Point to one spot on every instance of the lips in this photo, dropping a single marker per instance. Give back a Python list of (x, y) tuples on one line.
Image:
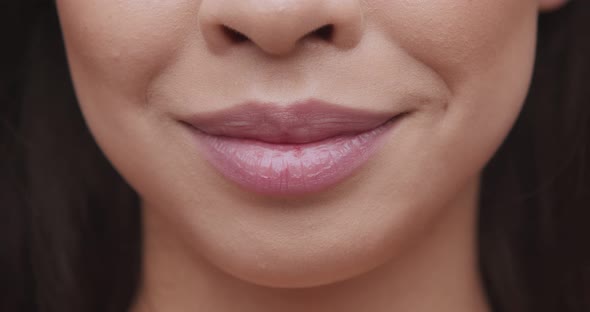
[(302, 122), (301, 148)]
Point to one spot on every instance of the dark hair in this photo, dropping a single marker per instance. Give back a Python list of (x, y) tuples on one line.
[(70, 226)]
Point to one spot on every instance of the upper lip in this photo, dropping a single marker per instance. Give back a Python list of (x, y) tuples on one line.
[(301, 122)]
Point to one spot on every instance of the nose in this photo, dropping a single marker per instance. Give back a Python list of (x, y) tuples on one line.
[(278, 27)]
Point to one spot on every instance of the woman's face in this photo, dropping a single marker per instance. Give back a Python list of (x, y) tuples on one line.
[(458, 69)]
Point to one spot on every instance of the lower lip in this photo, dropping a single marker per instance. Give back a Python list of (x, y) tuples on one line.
[(291, 169)]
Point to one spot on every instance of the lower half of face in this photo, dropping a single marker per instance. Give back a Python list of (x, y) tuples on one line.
[(458, 69)]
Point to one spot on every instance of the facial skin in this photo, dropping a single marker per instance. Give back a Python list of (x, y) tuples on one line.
[(461, 67)]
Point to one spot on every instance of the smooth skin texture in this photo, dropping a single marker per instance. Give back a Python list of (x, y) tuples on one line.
[(397, 236)]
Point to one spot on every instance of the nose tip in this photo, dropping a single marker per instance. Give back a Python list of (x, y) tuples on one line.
[(277, 27)]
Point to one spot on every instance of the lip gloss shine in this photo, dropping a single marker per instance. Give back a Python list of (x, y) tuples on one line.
[(290, 169), (288, 150)]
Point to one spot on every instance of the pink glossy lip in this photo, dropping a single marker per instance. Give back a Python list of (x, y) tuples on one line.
[(289, 150)]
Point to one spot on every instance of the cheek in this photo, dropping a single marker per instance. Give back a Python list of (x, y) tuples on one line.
[(115, 49), (482, 50), (458, 38), (122, 44), (484, 53)]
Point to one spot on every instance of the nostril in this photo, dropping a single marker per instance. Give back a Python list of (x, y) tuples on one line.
[(325, 32), (234, 35)]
